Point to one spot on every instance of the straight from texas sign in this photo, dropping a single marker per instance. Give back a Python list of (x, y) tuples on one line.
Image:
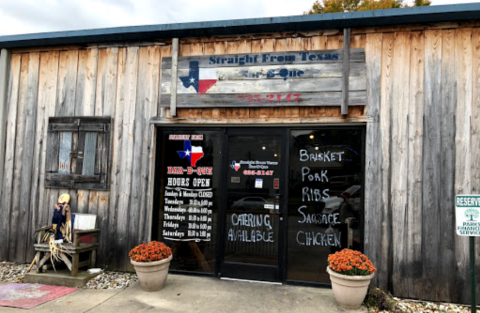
[(467, 213), (298, 78)]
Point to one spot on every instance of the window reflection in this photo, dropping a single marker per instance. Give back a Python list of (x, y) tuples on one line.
[(325, 206), (252, 223)]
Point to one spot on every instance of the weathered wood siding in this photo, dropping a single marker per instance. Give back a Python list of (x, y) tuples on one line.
[(422, 146), (122, 83)]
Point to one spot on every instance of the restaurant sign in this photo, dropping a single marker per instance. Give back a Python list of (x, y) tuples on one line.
[(299, 78)]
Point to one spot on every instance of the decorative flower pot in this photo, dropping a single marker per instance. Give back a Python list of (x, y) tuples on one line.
[(152, 275), (349, 291)]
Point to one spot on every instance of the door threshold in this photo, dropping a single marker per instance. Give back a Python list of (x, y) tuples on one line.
[(251, 281)]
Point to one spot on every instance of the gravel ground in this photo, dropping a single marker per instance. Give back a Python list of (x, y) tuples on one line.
[(13, 272), (111, 280), (414, 306)]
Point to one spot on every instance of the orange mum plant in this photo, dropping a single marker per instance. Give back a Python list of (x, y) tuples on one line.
[(149, 252), (351, 263)]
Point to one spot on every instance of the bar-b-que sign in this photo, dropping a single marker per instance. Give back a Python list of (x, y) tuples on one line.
[(299, 78)]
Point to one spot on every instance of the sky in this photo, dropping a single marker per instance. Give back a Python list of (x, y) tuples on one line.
[(34, 16)]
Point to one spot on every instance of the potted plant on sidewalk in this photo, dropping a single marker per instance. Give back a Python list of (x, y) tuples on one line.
[(151, 262), (350, 272)]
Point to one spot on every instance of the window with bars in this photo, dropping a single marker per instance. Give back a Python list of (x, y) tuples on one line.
[(78, 151)]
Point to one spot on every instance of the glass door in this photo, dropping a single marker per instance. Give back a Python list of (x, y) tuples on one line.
[(254, 205)]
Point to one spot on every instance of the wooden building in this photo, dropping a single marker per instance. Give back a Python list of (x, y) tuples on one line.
[(410, 142)]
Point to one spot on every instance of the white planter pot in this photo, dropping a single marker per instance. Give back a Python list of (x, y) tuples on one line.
[(349, 291), (152, 275)]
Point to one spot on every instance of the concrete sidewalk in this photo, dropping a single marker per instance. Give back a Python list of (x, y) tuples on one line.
[(196, 294)]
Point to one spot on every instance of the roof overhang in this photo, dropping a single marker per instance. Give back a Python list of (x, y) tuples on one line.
[(300, 23)]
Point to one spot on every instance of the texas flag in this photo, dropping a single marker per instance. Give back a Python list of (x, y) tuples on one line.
[(192, 153), (235, 165), (200, 78)]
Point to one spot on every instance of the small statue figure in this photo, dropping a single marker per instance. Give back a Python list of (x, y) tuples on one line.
[(62, 219)]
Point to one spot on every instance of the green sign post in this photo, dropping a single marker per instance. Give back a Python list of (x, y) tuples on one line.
[(467, 213)]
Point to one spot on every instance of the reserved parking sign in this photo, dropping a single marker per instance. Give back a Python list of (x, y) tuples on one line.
[(467, 213)]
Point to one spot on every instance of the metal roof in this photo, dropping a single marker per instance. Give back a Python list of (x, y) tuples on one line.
[(299, 23)]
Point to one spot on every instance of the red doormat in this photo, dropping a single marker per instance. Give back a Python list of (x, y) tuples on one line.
[(27, 296)]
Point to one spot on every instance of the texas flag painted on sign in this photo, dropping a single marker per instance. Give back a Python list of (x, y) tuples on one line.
[(200, 78), (235, 165), (192, 153)]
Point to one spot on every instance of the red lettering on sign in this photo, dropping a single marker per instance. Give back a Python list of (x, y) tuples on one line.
[(270, 98)]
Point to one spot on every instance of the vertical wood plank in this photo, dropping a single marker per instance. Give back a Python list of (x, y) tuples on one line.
[(385, 137), (148, 163), (16, 235), (431, 155), (446, 251), (413, 227), (463, 156), (318, 42), (165, 51), (183, 50), (399, 159), (175, 54), (335, 42), (5, 58), (373, 183), (345, 70), (27, 215), (139, 147), (127, 90), (11, 133), (476, 131), (105, 105), (67, 82), (115, 189), (85, 104), (148, 63), (47, 84), (357, 41), (106, 82), (94, 197), (86, 82), (240, 46)]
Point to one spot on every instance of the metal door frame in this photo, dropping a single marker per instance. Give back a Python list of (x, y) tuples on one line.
[(247, 271)]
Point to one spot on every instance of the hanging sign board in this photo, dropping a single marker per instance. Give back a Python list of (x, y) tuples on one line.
[(298, 78), (467, 213)]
